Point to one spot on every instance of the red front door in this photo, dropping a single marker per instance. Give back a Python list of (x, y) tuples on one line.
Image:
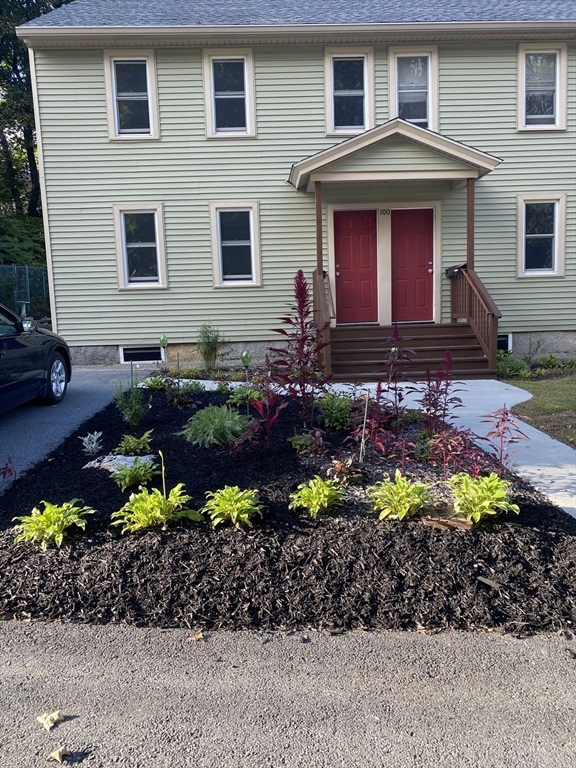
[(355, 244), (412, 265)]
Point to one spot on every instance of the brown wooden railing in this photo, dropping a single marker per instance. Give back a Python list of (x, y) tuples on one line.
[(470, 300), (323, 313)]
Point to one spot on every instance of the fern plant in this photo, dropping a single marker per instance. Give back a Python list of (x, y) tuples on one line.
[(399, 499), (139, 473), (134, 446), (214, 425), (49, 525), (479, 497), (233, 505), (317, 495), (154, 508)]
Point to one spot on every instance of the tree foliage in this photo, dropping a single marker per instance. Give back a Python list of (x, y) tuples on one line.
[(19, 179)]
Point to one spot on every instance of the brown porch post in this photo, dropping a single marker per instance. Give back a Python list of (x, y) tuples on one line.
[(319, 243), (470, 224)]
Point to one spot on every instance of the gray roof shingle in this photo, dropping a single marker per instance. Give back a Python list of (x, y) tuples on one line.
[(186, 13)]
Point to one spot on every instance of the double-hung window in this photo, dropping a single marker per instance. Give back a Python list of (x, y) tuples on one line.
[(235, 244), (140, 245), (542, 83), (541, 220), (131, 90), (229, 89), (349, 90), (414, 86)]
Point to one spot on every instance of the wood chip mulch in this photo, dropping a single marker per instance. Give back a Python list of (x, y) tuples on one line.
[(343, 571)]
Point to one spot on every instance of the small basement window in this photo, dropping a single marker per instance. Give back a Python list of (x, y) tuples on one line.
[(141, 355), (505, 342)]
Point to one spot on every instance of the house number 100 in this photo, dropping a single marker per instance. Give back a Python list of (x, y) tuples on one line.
[(384, 211)]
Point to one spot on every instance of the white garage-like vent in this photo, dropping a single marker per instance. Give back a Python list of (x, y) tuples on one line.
[(141, 354)]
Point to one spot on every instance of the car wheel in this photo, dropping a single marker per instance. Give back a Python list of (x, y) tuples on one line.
[(56, 379)]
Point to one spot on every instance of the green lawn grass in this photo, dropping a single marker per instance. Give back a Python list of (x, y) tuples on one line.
[(552, 408)]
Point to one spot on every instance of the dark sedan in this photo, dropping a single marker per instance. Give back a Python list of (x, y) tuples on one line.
[(34, 362)]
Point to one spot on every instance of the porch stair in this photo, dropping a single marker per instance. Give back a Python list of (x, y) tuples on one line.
[(359, 352)]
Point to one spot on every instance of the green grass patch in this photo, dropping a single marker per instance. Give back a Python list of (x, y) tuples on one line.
[(552, 408)]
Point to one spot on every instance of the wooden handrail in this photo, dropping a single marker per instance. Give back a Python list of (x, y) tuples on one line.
[(323, 313), (470, 300)]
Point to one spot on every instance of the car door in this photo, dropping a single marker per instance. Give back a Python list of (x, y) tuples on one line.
[(21, 361)]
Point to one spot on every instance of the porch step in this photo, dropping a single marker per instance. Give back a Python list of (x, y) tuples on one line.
[(359, 352)]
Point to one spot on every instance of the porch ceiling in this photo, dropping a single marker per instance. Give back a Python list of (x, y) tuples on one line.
[(394, 151)]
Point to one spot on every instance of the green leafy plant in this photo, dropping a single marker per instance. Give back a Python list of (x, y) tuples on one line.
[(223, 387), (134, 446), (399, 499), (192, 388), (243, 395), (317, 495), (155, 383), (230, 504), (210, 345), (131, 403), (49, 525), (509, 366), (91, 443), (214, 425), (549, 362), (336, 410), (148, 509), (139, 473), (478, 497), (303, 443)]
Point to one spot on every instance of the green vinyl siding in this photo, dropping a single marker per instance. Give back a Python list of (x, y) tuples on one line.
[(86, 174)]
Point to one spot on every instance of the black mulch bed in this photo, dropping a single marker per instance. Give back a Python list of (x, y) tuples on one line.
[(338, 572)]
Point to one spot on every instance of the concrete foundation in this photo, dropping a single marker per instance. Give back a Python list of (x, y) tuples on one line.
[(540, 343)]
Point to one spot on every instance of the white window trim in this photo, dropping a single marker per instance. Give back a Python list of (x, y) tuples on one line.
[(137, 55), (351, 53), (559, 234), (432, 52), (561, 78), (123, 282), (240, 205), (221, 54)]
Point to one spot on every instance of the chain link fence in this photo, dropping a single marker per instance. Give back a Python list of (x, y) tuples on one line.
[(25, 290)]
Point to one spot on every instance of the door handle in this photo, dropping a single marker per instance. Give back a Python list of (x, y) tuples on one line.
[(337, 274), (430, 271)]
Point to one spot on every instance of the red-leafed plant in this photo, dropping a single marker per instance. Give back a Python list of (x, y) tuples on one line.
[(439, 397), (504, 433), (395, 362), (296, 365), (8, 471)]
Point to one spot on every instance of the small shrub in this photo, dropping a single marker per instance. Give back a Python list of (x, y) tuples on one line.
[(192, 388), (131, 404), (549, 362), (475, 498), (210, 345), (139, 474), (509, 366), (223, 387), (186, 373), (134, 446), (91, 443), (214, 425), (317, 495), (438, 398), (311, 441), (399, 499), (230, 504), (48, 525), (336, 410)]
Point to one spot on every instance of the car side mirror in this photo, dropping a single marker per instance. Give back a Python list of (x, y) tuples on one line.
[(29, 324)]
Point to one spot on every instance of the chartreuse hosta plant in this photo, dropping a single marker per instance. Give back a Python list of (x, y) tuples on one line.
[(399, 499), (139, 473), (154, 508), (230, 504), (134, 446), (49, 525), (478, 497), (317, 495)]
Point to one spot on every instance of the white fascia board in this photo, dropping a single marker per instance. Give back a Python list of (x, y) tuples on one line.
[(61, 36), (484, 162)]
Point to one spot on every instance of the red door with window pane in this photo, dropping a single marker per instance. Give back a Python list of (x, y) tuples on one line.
[(355, 243), (412, 265)]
